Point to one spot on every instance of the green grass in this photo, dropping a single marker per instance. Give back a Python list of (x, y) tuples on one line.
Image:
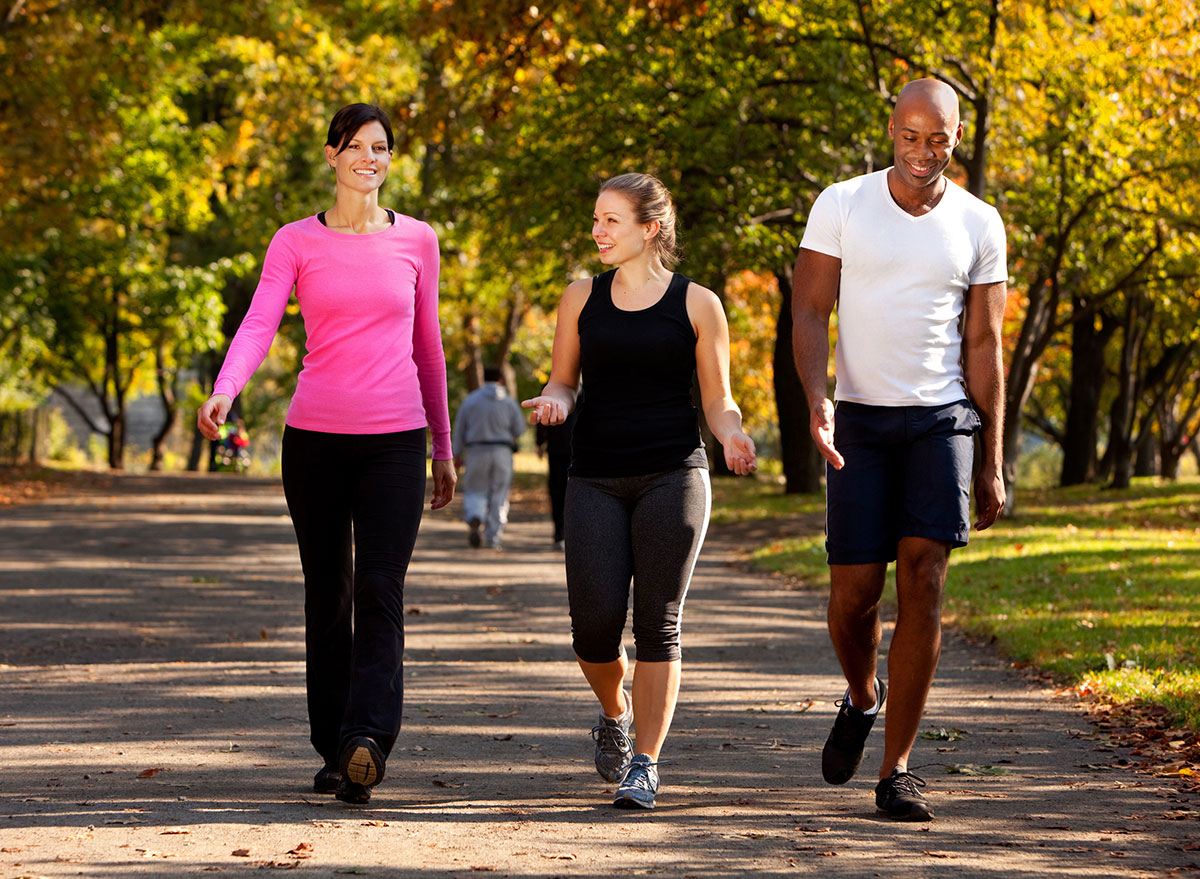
[(1099, 588)]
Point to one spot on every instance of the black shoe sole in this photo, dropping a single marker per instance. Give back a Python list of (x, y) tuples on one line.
[(362, 762)]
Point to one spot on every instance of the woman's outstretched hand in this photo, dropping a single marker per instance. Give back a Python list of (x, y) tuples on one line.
[(740, 454), (546, 410)]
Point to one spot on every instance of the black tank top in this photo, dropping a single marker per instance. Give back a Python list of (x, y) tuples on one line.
[(637, 415)]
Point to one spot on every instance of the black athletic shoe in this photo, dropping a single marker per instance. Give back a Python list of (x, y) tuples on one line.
[(843, 751), (326, 780), (362, 762), (899, 796), (474, 537), (353, 793)]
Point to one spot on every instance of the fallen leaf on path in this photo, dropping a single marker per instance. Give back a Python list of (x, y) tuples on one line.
[(828, 854), (482, 869), (814, 829), (173, 831), (973, 769), (375, 824), (241, 852), (560, 857), (512, 713), (149, 773), (303, 850), (940, 855), (439, 783), (942, 734), (353, 870), (277, 865)]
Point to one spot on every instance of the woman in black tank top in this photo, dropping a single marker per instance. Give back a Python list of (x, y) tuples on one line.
[(637, 496)]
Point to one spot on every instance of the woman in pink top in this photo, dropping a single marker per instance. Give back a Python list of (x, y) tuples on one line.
[(373, 380)]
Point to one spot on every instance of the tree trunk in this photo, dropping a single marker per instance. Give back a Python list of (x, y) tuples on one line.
[(1083, 408), (1036, 330), (170, 400), (802, 463), (1146, 461), (1120, 446)]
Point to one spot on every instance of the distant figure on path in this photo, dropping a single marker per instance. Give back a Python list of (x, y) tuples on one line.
[(916, 268), (486, 430), (638, 495), (555, 442), (374, 378)]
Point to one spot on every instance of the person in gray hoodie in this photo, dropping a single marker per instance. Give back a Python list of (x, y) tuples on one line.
[(486, 430)]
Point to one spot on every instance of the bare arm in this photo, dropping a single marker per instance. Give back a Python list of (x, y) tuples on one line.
[(712, 370), (983, 365), (557, 399), (815, 284)]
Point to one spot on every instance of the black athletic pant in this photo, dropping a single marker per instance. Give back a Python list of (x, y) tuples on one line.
[(356, 502), (644, 529)]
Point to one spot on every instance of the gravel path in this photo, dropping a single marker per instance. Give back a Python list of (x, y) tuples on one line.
[(152, 722)]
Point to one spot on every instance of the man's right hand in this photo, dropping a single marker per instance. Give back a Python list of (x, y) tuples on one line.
[(820, 425)]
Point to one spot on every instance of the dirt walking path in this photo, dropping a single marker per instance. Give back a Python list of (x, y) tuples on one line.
[(152, 722)]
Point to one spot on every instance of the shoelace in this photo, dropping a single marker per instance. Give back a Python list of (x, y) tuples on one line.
[(611, 737), (637, 776), (907, 783)]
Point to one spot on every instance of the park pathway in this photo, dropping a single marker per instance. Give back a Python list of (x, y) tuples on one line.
[(152, 722)]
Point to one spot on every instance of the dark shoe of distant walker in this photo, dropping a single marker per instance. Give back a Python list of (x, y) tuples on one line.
[(352, 793), (362, 762), (326, 780), (614, 749), (900, 797), (474, 537), (639, 786), (843, 751)]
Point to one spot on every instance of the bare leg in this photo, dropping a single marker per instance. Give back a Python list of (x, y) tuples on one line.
[(655, 692), (607, 680), (854, 626), (916, 644)]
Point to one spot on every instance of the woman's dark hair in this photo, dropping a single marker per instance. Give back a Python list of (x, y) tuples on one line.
[(350, 118), (651, 203)]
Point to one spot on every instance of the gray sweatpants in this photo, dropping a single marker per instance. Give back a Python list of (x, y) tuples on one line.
[(486, 485), (644, 530)]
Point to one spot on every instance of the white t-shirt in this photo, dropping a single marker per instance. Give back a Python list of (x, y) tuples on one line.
[(903, 282)]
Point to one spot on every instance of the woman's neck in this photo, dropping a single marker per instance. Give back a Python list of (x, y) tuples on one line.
[(356, 212), (641, 272)]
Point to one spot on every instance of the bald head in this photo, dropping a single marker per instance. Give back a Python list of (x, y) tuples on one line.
[(924, 128), (929, 96)]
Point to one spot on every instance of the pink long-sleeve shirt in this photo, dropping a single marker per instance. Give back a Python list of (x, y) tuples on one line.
[(374, 361)]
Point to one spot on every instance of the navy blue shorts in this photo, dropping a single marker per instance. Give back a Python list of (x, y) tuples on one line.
[(907, 474)]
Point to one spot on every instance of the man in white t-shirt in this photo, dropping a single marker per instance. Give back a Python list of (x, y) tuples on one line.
[(916, 268)]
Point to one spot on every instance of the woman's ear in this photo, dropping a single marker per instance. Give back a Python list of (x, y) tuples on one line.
[(652, 230), (330, 155)]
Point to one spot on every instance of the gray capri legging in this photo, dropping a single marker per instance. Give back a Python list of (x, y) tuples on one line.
[(641, 529)]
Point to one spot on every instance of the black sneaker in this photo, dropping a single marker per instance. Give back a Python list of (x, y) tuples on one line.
[(474, 537), (326, 780), (353, 793), (898, 795), (843, 751), (362, 762)]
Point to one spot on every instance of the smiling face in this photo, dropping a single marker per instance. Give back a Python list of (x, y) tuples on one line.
[(616, 231), (363, 162), (925, 129)]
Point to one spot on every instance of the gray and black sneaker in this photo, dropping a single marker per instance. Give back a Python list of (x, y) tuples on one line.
[(900, 797), (843, 752), (614, 749), (640, 784)]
